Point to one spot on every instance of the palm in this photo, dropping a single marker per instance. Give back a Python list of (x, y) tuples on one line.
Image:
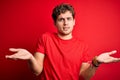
[(107, 58), (19, 54)]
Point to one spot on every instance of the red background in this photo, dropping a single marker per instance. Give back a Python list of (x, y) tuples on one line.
[(22, 21)]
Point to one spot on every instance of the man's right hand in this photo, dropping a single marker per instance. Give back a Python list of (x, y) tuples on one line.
[(19, 53)]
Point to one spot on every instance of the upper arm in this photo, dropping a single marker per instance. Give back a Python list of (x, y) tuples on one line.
[(39, 58)]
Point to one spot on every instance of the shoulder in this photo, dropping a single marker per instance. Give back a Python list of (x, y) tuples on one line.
[(47, 35)]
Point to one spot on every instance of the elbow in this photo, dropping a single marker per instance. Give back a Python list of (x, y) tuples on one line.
[(37, 71), (37, 74), (86, 76)]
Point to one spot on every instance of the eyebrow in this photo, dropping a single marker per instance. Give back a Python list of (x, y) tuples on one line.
[(64, 18)]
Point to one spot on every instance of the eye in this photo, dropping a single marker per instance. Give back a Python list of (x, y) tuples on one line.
[(61, 19), (69, 18)]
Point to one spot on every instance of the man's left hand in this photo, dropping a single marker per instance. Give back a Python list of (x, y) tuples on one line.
[(107, 58)]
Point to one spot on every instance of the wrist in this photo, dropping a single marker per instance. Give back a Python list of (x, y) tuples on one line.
[(31, 58), (95, 62)]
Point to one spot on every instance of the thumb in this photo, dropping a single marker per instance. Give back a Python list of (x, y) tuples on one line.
[(112, 52), (7, 56), (10, 57)]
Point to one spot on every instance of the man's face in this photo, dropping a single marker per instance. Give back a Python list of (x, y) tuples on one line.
[(65, 23)]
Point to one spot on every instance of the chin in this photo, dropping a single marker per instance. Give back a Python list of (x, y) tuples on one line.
[(66, 33)]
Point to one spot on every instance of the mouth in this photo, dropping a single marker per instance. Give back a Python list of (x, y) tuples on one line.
[(66, 28)]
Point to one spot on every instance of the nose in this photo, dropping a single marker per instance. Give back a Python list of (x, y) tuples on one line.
[(65, 22)]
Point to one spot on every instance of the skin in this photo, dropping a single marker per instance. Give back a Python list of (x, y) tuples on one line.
[(64, 24)]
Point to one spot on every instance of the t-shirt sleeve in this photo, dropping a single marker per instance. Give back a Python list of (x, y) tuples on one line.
[(41, 45), (86, 55)]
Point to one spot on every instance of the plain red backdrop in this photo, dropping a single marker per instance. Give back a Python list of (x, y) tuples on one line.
[(23, 21)]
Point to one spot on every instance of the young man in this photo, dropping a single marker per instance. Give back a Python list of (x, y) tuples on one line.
[(61, 56)]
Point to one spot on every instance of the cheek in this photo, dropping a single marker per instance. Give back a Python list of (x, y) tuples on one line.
[(58, 27), (72, 24), (59, 24)]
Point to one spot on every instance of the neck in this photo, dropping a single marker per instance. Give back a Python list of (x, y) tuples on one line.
[(65, 37)]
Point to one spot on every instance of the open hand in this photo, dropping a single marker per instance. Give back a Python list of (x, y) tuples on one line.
[(22, 54), (107, 58)]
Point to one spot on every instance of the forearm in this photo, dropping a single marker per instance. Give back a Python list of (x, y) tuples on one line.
[(35, 62), (88, 69), (35, 66), (106, 57), (89, 72)]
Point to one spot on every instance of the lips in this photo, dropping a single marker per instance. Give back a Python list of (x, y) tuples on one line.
[(66, 28)]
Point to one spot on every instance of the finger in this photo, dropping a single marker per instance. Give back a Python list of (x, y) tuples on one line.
[(13, 49), (112, 52), (116, 60), (10, 57)]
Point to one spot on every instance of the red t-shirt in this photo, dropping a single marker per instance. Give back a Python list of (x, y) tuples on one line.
[(63, 58)]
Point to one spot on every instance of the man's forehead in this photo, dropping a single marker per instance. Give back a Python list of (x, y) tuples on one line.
[(66, 14)]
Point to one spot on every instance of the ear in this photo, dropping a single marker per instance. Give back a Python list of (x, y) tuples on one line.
[(74, 22), (55, 24)]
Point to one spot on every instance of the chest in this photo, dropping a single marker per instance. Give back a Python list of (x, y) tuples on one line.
[(64, 52)]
